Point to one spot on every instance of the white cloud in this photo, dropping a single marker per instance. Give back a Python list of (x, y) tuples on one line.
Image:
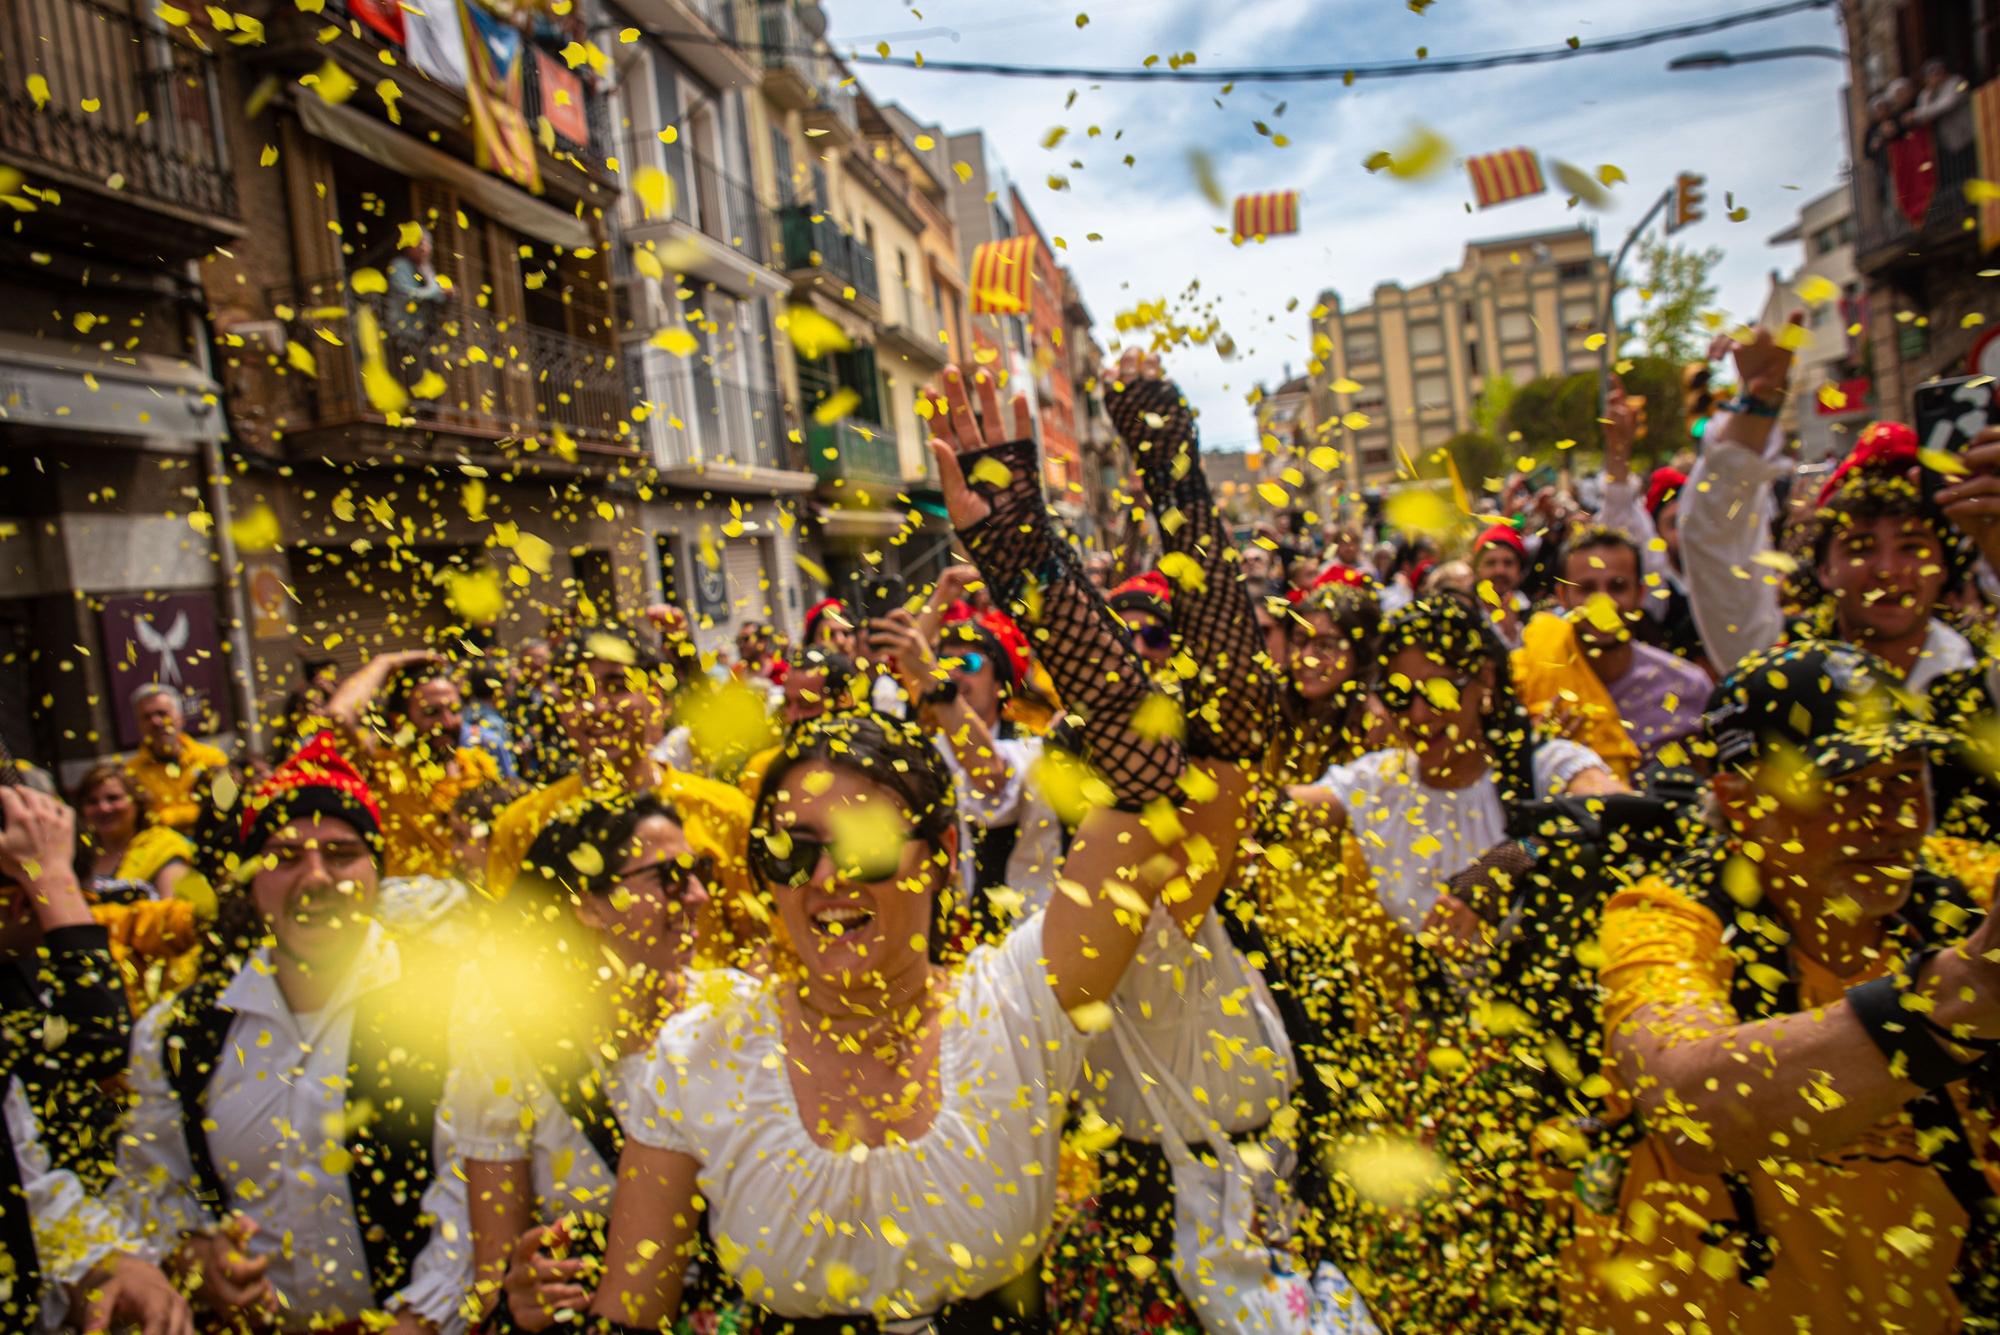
[(1770, 133)]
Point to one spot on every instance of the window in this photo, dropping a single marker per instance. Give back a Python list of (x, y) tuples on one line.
[(1427, 338), (1472, 358), (1572, 269), (1516, 327), (1579, 314), (854, 369), (1437, 435), (1363, 347), (1468, 316), (781, 164), (1433, 391)]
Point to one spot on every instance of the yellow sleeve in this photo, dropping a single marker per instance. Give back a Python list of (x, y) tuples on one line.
[(514, 831), (1660, 948)]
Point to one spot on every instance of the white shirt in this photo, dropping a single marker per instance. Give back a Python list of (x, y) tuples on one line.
[(276, 1100), (73, 1229), (500, 1109), (1415, 837), (1725, 521), (1018, 800), (902, 1229)]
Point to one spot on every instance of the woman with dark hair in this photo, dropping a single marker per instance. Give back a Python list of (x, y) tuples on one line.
[(1330, 643), (402, 712), (1421, 1043), (587, 958), (875, 1136)]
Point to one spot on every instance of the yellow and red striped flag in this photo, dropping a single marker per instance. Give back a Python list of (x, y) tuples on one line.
[(1273, 213), (1986, 126), (1003, 273), (1512, 173)]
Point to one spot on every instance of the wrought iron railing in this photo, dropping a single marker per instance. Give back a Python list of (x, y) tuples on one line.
[(591, 108), (116, 97), (813, 241), (707, 196), (721, 421), (842, 452), (1882, 220), (464, 367)]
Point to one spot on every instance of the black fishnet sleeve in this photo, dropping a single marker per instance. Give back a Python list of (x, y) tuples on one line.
[(1034, 572), (1231, 704)]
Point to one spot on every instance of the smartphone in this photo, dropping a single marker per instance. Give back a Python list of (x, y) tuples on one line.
[(1949, 413), (876, 595)]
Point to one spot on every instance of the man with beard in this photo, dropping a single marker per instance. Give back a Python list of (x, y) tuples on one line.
[(1798, 1032), (610, 690), (402, 713), (169, 764), (283, 1154)]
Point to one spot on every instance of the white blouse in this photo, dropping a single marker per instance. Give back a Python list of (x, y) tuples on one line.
[(894, 1231), (501, 1110), (1415, 837)]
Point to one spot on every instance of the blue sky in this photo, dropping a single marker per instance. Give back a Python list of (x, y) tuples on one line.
[(1770, 133)]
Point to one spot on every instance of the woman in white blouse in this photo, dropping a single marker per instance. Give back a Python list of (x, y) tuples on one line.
[(874, 1137), (559, 1015)]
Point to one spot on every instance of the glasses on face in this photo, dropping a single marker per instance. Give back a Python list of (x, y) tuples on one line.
[(788, 857), (1398, 693), (1153, 637), (970, 661), (333, 853), (678, 877)]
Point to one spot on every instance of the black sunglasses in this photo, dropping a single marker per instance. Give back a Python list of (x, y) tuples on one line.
[(677, 874), (788, 857), (1153, 637), (1398, 693)]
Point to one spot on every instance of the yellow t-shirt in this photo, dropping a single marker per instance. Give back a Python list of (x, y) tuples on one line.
[(169, 784), (1552, 677), (1865, 1236), (155, 943), (416, 801), (716, 819)]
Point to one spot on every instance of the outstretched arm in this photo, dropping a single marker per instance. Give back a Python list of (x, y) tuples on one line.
[(1230, 702), (353, 696), (653, 1226)]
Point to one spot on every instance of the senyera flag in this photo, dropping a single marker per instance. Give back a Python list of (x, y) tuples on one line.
[(1002, 275), (1512, 173), (1273, 213)]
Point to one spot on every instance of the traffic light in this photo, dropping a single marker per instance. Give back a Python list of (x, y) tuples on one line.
[(1696, 399), (1687, 201)]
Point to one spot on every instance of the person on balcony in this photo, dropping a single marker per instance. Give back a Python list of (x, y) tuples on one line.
[(416, 301)]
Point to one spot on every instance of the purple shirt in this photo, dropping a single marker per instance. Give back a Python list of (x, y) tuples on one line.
[(1660, 698)]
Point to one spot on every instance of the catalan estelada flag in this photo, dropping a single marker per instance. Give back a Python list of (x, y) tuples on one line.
[(1986, 129), (1273, 213), (1003, 273), (1512, 173)]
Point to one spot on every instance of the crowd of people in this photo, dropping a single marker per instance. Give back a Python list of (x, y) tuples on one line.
[(1572, 921)]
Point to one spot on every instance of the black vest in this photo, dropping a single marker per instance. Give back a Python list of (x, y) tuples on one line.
[(390, 1163)]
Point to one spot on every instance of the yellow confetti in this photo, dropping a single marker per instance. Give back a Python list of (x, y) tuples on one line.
[(333, 84), (655, 190), (1814, 290), (256, 531), (1978, 191), (477, 596), (836, 406), (1420, 510), (679, 342), (812, 334), (1424, 152)]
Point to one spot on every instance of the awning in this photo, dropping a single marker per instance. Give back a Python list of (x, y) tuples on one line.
[(492, 196), (836, 523), (74, 388)]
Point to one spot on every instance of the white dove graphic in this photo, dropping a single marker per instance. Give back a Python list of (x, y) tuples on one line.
[(167, 646)]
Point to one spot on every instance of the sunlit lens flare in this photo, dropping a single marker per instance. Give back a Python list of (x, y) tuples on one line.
[(867, 840)]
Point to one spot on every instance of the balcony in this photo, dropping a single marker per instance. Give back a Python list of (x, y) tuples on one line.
[(716, 229), (705, 35), (792, 76), (913, 331), (498, 380), (817, 251), (835, 117), (152, 151), (1885, 238), (718, 434), (535, 103), (852, 460)]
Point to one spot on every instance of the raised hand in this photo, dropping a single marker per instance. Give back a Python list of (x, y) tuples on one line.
[(228, 1281), (1973, 501), (1621, 429), (959, 430)]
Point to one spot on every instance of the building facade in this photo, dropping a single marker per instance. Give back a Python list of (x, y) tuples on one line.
[(1402, 374), (115, 533), (1832, 391), (1919, 71)]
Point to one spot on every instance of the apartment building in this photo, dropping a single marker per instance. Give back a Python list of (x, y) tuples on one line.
[(1520, 306), (1920, 250), (1833, 390), (701, 289)]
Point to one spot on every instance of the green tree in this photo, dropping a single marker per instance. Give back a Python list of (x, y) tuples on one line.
[(1494, 399), (1658, 381), (1678, 287), (1551, 409)]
